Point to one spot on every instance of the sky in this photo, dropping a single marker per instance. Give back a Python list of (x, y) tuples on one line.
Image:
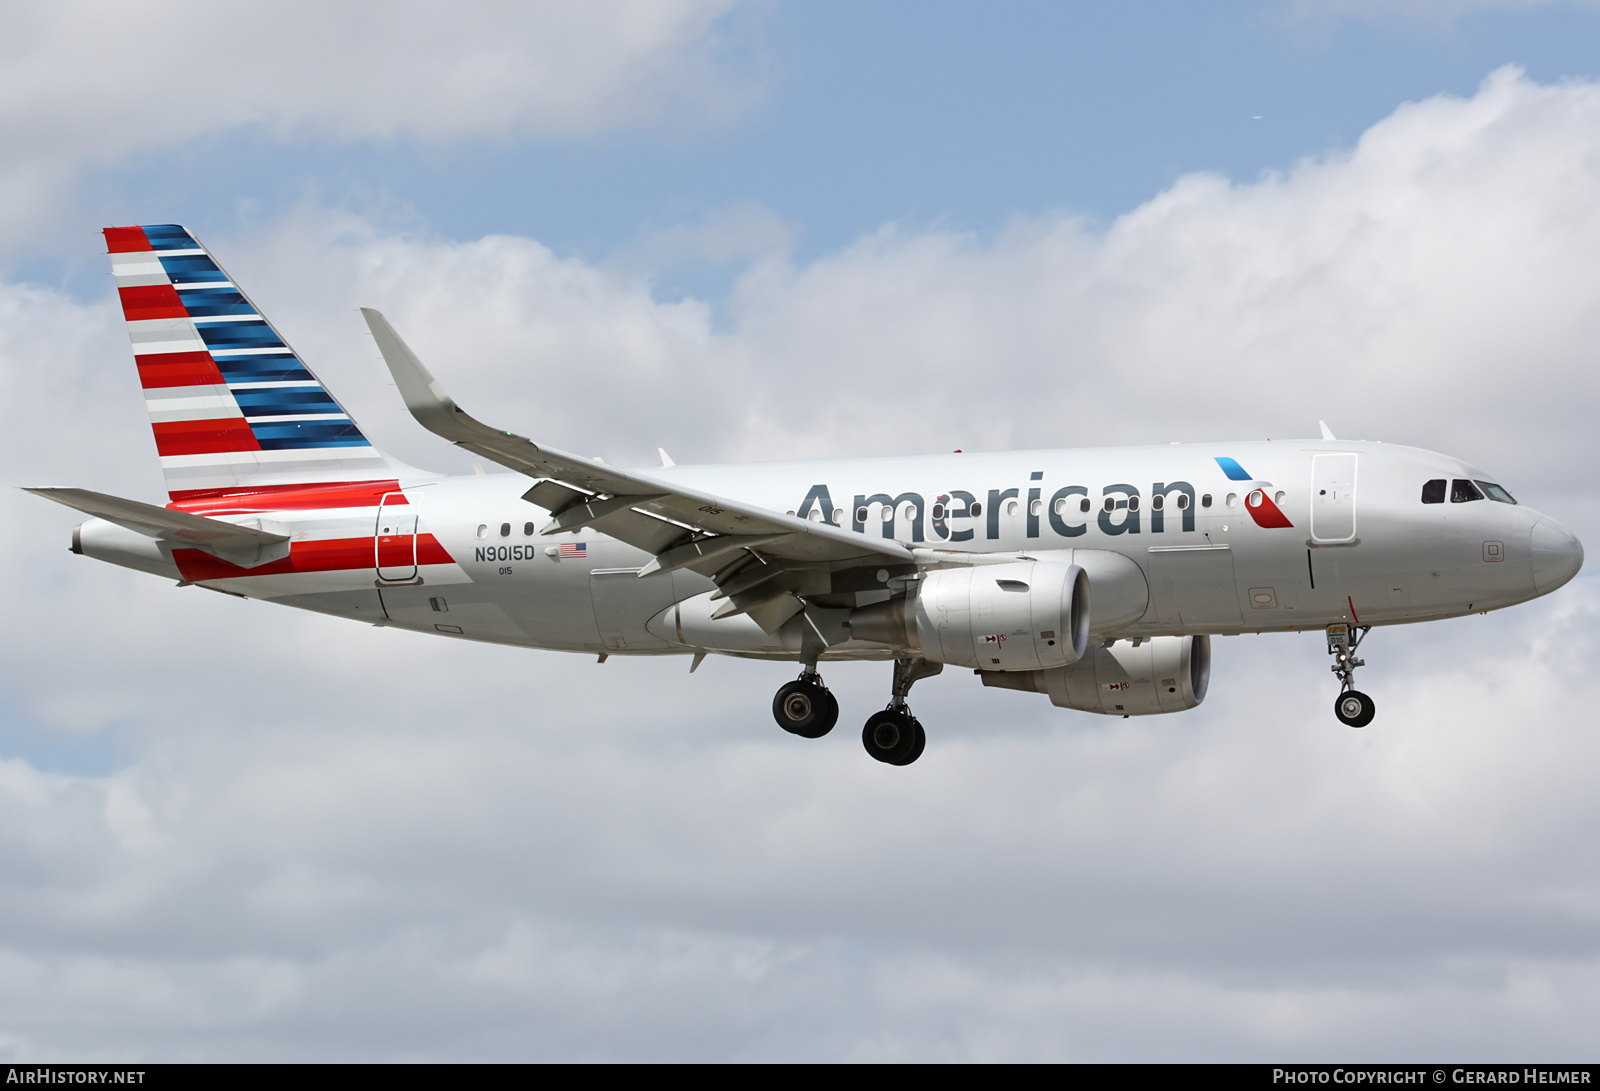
[(751, 231)]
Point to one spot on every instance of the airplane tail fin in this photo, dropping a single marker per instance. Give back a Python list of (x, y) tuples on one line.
[(233, 407)]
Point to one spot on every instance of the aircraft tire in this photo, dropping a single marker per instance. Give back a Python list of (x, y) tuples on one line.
[(805, 708), (919, 746), (894, 738), (1354, 708)]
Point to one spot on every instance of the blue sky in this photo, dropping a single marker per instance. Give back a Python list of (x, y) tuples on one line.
[(922, 113), (749, 231)]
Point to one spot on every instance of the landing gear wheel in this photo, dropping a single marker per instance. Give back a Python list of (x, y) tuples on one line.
[(805, 708), (894, 737), (1354, 708), (920, 746)]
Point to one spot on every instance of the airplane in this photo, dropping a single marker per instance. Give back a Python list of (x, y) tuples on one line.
[(1093, 577)]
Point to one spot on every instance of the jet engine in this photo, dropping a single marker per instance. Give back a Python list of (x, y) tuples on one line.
[(1130, 678), (1017, 616)]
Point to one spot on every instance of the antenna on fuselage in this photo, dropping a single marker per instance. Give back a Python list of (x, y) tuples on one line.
[(1327, 433)]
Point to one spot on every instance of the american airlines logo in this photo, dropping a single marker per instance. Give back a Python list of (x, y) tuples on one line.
[(1120, 509)]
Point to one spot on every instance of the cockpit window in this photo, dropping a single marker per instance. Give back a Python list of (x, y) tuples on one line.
[(1496, 492), (1433, 491), (1464, 492)]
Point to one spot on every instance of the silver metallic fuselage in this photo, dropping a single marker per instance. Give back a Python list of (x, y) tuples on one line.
[(1201, 568)]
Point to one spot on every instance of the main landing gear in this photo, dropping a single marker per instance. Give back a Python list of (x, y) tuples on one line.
[(894, 736), (1354, 708), (804, 707)]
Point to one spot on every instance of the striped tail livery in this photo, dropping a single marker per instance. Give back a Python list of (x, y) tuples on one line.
[(231, 404)]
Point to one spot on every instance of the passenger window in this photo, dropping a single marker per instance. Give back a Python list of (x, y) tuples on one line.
[(527, 528), (1433, 491), (1497, 493), (505, 530), (1464, 492)]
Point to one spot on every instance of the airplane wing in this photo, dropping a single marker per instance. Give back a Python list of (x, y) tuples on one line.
[(245, 546), (731, 541)]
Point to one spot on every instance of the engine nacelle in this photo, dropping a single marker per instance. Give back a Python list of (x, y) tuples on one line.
[(1159, 674), (1017, 616)]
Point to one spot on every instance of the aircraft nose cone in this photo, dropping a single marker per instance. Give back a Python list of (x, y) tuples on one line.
[(1557, 555)]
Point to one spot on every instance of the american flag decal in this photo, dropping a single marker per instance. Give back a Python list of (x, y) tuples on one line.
[(574, 549)]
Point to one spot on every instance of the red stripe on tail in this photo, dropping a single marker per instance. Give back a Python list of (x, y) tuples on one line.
[(177, 369), (126, 240), (151, 301), (204, 437)]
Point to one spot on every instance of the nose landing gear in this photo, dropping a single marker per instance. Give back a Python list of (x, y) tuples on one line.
[(1354, 708), (894, 736)]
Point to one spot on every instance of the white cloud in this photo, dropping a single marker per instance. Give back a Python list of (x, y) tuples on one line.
[(1436, 285), (330, 841), (87, 83)]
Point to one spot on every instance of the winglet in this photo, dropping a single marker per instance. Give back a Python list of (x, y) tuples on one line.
[(1327, 433), (434, 409)]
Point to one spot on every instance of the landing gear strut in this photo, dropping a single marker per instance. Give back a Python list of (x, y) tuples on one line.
[(804, 707), (894, 736), (1354, 708)]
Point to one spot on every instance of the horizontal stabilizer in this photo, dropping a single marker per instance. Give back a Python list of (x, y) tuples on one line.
[(245, 546)]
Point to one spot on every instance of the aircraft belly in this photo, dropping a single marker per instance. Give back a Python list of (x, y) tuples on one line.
[(1192, 588), (688, 625), (624, 604), (357, 605), (550, 601), (463, 610), (1272, 584)]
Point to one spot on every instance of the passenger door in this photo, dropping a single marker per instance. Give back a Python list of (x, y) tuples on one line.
[(395, 539), (1333, 498)]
